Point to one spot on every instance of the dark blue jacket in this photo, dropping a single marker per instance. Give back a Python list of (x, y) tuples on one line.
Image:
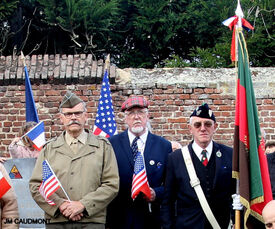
[(123, 212), (181, 208)]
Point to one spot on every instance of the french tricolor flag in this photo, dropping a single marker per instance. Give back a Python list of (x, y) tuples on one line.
[(37, 135), (4, 185)]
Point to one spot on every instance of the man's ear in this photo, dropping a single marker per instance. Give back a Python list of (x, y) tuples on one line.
[(216, 126), (190, 128), (60, 117)]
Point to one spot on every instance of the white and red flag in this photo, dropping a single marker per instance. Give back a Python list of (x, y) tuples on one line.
[(233, 23), (37, 135), (4, 185)]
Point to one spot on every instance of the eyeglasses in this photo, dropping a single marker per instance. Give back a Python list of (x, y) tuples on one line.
[(206, 124), (77, 114), (137, 112)]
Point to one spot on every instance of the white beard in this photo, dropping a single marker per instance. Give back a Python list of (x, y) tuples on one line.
[(137, 130)]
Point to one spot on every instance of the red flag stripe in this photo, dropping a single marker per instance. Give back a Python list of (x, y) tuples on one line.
[(4, 184), (98, 131)]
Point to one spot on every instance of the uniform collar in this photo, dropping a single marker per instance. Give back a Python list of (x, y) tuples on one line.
[(142, 138), (197, 149), (81, 138)]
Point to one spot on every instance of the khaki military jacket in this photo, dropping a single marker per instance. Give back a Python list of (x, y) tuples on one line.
[(8, 205), (89, 176)]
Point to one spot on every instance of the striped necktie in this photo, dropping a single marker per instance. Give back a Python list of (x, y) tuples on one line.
[(134, 148), (204, 159)]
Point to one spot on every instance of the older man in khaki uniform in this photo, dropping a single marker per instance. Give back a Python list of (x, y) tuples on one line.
[(86, 167)]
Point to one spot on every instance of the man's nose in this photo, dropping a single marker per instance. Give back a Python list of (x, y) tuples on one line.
[(73, 116), (203, 126)]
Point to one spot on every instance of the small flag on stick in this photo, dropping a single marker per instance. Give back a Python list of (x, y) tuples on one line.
[(37, 135), (50, 183), (140, 182), (232, 23)]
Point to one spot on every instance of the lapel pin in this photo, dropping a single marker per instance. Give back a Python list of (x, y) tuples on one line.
[(152, 162), (219, 154), (159, 165)]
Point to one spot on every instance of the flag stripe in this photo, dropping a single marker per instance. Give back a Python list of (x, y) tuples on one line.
[(50, 185), (228, 21), (42, 193), (138, 185), (98, 131), (4, 184)]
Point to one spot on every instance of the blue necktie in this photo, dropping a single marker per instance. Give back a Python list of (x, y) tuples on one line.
[(135, 148)]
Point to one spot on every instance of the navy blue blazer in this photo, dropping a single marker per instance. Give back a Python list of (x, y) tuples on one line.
[(181, 208), (123, 212)]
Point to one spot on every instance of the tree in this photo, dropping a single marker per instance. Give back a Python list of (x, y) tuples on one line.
[(6, 9), (137, 33)]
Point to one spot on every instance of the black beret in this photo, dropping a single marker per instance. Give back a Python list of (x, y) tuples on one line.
[(203, 111)]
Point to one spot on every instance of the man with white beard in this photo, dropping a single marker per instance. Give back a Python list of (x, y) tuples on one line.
[(137, 205)]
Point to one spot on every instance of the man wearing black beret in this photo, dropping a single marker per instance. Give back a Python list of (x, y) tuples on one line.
[(212, 163)]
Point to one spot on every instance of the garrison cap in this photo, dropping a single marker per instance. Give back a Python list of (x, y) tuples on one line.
[(135, 101), (204, 111), (70, 100)]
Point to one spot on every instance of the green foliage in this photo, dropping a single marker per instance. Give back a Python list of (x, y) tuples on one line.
[(85, 24), (7, 7), (137, 33), (175, 62), (206, 58)]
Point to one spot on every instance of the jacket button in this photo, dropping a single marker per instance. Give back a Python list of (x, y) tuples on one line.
[(72, 173)]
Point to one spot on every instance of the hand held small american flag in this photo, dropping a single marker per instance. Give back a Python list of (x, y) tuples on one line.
[(140, 182), (50, 183)]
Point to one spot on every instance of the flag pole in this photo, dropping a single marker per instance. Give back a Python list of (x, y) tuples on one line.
[(23, 59), (107, 63), (239, 14), (237, 212), (58, 180)]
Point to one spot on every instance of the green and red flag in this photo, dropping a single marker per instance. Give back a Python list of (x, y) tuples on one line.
[(249, 159)]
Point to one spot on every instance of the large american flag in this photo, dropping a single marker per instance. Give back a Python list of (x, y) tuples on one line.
[(50, 183), (140, 183), (105, 124)]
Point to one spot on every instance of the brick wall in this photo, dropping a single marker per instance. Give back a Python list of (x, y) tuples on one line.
[(173, 94)]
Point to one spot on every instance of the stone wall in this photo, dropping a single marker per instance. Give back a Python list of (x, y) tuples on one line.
[(173, 94)]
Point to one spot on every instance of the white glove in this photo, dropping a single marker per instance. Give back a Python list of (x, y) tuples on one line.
[(237, 205)]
